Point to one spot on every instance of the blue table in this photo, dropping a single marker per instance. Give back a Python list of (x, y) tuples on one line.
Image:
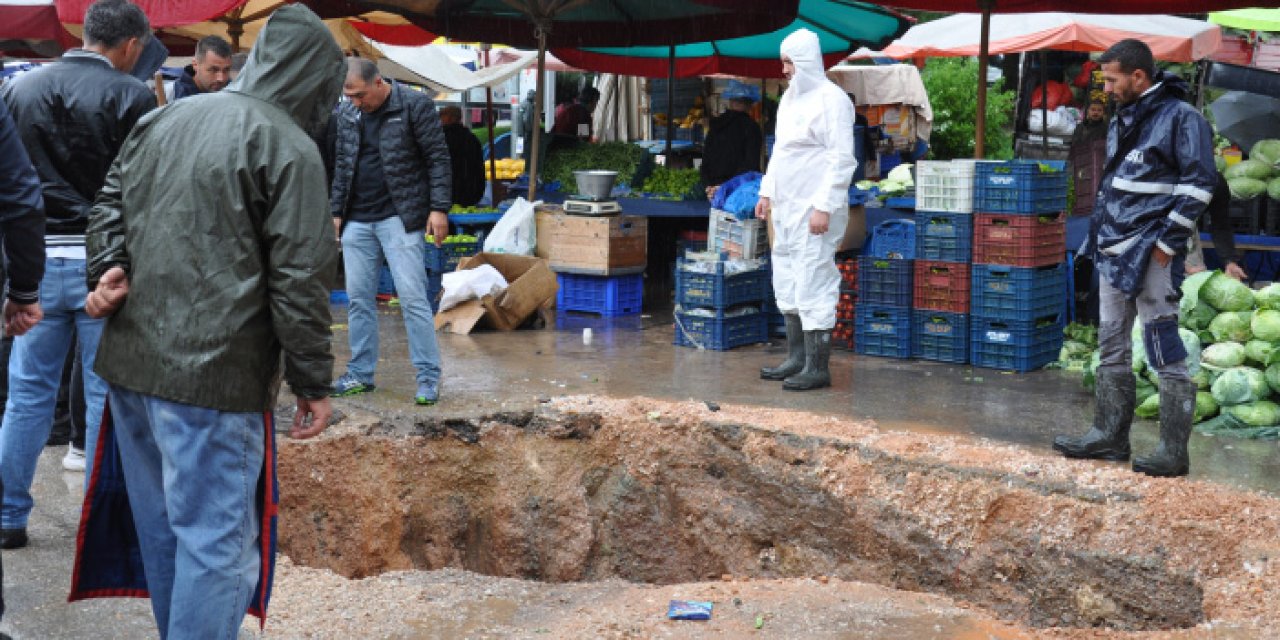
[(649, 207)]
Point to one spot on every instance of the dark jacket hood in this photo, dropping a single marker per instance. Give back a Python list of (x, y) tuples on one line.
[(296, 65), (728, 119)]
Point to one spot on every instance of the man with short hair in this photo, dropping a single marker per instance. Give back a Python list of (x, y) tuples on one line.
[(576, 117), (73, 117), (209, 289), (391, 181), (1159, 178), (209, 71), (734, 139), (466, 156)]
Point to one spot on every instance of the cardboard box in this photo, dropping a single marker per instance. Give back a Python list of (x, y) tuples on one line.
[(592, 245), (855, 234), (531, 285)]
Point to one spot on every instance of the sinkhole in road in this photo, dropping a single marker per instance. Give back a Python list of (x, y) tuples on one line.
[(556, 495)]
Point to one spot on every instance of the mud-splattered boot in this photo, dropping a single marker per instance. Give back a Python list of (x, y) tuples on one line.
[(795, 347), (817, 356), (1177, 410), (1109, 437)]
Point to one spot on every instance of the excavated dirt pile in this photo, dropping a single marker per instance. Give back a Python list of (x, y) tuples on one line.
[(587, 489)]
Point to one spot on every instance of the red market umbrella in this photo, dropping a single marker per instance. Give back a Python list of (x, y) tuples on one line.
[(30, 28), (987, 7)]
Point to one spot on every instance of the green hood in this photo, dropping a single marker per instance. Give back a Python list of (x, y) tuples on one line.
[(296, 65)]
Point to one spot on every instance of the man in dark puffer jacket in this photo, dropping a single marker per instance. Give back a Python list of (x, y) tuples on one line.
[(391, 179)]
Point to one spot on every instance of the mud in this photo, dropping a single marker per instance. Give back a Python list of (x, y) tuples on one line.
[(586, 489)]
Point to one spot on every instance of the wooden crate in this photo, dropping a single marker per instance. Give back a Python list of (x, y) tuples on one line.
[(590, 245)]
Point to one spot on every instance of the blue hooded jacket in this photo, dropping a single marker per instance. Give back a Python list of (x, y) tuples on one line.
[(1158, 180)]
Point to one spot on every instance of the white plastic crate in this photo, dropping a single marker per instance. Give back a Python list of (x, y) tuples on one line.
[(739, 238), (945, 185)]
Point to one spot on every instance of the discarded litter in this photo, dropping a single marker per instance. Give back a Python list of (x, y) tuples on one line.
[(759, 622), (689, 610)]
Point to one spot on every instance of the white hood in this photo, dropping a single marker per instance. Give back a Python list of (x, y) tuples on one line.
[(806, 54)]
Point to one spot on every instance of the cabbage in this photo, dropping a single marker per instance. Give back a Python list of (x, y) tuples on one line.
[(1246, 188), (1224, 355), (1090, 378), (1144, 390), (901, 174), (1263, 413), (1232, 325), (1192, 344), (1268, 297), (1262, 352), (1267, 152), (1193, 312), (1239, 385), (1201, 378), (1255, 169), (1273, 188), (1226, 294), (1265, 325), (1273, 377), (1206, 406), (1148, 408)]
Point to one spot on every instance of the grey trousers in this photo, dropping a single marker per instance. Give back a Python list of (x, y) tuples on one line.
[(1157, 307)]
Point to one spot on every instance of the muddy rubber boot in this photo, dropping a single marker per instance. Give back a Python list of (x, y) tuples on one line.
[(1109, 437), (817, 355), (795, 356), (1177, 409)]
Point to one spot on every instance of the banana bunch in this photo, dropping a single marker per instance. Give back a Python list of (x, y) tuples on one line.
[(507, 168)]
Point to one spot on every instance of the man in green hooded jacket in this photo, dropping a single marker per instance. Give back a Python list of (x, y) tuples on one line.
[(209, 260)]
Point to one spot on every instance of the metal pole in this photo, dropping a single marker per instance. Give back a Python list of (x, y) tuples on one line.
[(671, 98), (488, 116), (980, 126), (537, 112)]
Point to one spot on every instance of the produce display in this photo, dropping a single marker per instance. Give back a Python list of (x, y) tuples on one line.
[(625, 158), (673, 184), (691, 118), (897, 183), (460, 238), (506, 168), (1232, 336), (460, 209), (1257, 176)]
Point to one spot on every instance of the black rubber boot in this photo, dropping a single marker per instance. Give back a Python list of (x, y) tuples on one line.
[(817, 355), (1109, 437), (795, 356), (1177, 410)]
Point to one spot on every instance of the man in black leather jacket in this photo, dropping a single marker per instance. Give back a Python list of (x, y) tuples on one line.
[(73, 116), (392, 178)]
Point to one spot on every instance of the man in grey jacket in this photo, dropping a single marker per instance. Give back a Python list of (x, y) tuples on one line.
[(391, 167)]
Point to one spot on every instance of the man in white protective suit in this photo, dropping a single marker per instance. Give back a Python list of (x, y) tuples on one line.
[(805, 194)]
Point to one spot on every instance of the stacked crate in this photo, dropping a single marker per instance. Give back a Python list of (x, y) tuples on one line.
[(1018, 276), (718, 310), (842, 337), (882, 318), (444, 259), (944, 249)]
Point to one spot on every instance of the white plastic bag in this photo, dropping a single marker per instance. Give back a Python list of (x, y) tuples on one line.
[(470, 284), (1062, 121), (516, 232)]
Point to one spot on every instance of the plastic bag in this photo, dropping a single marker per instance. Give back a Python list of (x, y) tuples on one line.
[(516, 232), (1062, 121), (470, 284)]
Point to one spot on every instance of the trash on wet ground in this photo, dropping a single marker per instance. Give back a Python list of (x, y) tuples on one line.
[(689, 610)]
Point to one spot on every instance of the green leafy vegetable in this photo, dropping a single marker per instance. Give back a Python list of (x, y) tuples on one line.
[(1232, 325), (1240, 385), (1226, 294)]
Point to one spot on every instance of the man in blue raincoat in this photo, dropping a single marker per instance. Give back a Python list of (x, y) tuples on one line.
[(1158, 180)]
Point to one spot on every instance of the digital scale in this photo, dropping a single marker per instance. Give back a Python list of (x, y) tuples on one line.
[(579, 205)]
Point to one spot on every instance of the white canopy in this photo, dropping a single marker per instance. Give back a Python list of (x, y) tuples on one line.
[(433, 67)]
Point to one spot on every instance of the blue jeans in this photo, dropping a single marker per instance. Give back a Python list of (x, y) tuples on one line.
[(192, 476), (35, 372), (363, 246)]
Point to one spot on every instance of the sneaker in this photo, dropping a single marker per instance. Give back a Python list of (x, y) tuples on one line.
[(13, 538), (349, 385), (74, 460), (428, 393)]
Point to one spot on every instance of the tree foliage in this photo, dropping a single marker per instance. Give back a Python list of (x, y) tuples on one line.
[(952, 84)]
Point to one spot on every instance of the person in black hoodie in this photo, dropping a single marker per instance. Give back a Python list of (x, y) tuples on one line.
[(466, 157), (733, 140)]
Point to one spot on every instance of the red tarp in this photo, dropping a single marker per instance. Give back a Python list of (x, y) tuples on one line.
[(403, 35), (161, 13)]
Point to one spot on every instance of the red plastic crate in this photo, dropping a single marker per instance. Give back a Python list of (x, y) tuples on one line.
[(848, 274), (941, 286), (1019, 240)]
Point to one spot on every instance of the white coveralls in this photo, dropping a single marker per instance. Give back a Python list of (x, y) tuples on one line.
[(811, 167)]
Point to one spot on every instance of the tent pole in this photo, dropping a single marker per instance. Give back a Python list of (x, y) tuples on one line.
[(671, 98), (488, 116), (980, 126), (1044, 102), (537, 112), (764, 146)]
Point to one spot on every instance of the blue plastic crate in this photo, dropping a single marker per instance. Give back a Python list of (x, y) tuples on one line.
[(892, 239), (721, 332), (1020, 186), (943, 236), (605, 295), (386, 285), (1018, 293), (885, 282), (695, 289), (445, 258), (1015, 346), (435, 284), (882, 331), (339, 296), (940, 336)]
